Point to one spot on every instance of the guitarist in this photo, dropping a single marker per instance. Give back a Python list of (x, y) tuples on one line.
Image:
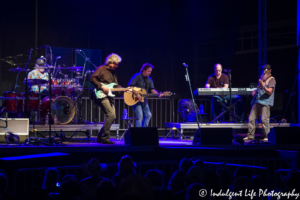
[(262, 102), (143, 80), (106, 74)]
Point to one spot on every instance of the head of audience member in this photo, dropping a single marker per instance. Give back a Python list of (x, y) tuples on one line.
[(186, 164), (242, 183), (112, 61), (146, 69), (135, 187), (155, 176), (256, 182), (3, 183), (126, 166), (218, 69), (50, 178), (195, 175), (70, 189), (106, 190), (177, 181), (292, 181), (199, 163), (67, 177), (194, 191), (243, 171), (94, 168), (224, 177), (211, 181)]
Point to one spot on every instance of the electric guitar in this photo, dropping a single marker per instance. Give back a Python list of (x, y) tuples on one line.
[(100, 94), (131, 99)]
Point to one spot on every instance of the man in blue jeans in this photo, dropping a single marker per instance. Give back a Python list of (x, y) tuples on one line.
[(143, 80)]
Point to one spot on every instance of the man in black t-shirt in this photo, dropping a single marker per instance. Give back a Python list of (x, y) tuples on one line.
[(220, 80)]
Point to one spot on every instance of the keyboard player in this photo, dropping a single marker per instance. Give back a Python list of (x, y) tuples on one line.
[(220, 80)]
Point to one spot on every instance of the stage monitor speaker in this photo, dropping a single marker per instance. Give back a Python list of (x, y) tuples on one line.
[(142, 136), (213, 136), (17, 126), (284, 135)]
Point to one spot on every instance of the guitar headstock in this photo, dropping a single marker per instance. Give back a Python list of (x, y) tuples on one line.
[(166, 94)]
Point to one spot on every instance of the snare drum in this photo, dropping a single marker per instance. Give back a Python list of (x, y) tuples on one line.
[(63, 107), (12, 105)]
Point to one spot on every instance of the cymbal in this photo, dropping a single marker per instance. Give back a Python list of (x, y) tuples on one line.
[(35, 81), (44, 67), (18, 69), (75, 68)]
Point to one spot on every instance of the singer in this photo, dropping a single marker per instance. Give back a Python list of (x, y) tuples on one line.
[(263, 99), (220, 80)]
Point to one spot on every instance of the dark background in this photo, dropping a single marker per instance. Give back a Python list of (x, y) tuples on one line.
[(165, 33)]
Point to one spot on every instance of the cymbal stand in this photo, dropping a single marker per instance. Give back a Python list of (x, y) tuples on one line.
[(174, 129)]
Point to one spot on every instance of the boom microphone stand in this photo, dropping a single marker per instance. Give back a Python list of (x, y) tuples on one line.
[(188, 79)]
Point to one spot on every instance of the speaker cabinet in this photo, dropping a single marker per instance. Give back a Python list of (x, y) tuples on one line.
[(213, 136), (284, 135), (18, 126), (142, 136)]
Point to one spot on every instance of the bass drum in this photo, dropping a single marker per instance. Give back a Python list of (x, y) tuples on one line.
[(63, 107)]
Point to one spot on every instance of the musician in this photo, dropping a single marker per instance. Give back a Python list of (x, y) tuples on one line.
[(265, 99), (143, 80), (106, 74), (39, 73), (220, 80)]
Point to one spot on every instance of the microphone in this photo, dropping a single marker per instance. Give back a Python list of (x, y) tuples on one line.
[(58, 57), (185, 65), (77, 50)]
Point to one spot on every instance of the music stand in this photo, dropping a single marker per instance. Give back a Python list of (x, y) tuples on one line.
[(174, 129)]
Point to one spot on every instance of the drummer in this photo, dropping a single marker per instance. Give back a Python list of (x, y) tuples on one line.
[(39, 73)]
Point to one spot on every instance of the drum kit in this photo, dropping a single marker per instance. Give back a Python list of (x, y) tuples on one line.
[(64, 93)]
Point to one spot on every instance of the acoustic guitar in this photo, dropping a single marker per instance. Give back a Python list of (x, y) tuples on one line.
[(131, 99)]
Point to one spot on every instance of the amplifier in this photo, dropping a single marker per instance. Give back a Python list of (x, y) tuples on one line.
[(18, 126)]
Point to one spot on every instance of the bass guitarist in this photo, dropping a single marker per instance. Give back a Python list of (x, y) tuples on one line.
[(263, 99), (143, 80), (101, 78)]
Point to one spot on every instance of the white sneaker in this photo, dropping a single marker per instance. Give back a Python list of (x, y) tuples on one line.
[(265, 139), (247, 138)]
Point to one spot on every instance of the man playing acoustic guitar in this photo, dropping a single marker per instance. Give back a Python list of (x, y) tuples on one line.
[(104, 78), (143, 80), (263, 99)]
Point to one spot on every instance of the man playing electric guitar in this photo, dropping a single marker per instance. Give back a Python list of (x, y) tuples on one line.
[(143, 80), (262, 102), (103, 78)]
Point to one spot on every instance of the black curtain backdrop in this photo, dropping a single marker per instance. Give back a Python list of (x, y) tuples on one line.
[(161, 32), (165, 33)]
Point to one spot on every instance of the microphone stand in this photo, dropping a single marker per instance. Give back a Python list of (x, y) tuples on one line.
[(188, 79), (26, 84)]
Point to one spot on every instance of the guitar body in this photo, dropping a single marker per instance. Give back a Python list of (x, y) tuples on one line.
[(131, 99), (99, 93), (254, 98)]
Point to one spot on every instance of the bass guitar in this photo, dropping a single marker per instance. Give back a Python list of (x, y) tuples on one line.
[(100, 94), (256, 91), (131, 99)]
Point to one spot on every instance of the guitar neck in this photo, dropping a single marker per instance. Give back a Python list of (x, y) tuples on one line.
[(118, 89), (148, 95)]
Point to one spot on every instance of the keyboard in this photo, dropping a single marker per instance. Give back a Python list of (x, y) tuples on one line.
[(223, 91)]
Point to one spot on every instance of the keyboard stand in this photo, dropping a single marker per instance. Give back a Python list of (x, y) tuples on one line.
[(235, 117)]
